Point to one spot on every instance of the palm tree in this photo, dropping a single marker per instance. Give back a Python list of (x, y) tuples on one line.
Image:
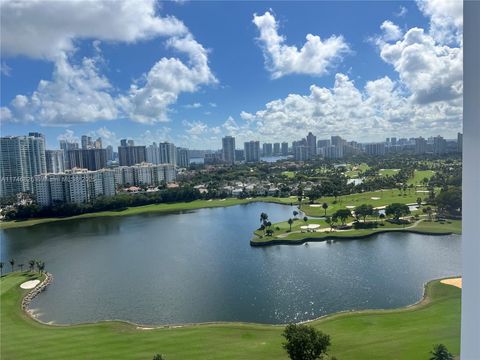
[(40, 266), (440, 352), (290, 222), (1, 268), (325, 207), (21, 267), (31, 265), (263, 217), (12, 263), (295, 213)]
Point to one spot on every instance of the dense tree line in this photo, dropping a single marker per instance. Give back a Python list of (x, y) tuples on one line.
[(117, 202)]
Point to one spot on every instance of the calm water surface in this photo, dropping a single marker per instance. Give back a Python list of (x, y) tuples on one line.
[(199, 266)]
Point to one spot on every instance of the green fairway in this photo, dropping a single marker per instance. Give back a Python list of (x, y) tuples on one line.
[(380, 198), (355, 169), (388, 172), (420, 175), (407, 333), (281, 230), (155, 208)]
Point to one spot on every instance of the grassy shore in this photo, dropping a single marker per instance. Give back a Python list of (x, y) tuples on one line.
[(406, 333), (282, 233), (378, 198), (154, 208)]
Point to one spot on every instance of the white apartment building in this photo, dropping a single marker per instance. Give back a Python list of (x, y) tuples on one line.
[(73, 186), (145, 174)]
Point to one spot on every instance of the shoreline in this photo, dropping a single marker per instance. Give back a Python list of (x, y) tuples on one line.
[(150, 209), (302, 241), (423, 301)]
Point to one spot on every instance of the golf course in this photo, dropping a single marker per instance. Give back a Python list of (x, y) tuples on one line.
[(406, 333)]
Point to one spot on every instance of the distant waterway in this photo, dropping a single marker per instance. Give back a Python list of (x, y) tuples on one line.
[(198, 266)]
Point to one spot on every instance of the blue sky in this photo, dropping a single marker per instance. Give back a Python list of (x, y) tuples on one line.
[(191, 72)]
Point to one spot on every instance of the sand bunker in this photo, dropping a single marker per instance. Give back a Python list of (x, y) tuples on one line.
[(30, 284), (350, 206), (375, 198), (422, 191), (454, 282), (315, 205)]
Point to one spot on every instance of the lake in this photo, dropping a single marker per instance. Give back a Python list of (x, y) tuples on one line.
[(198, 266)]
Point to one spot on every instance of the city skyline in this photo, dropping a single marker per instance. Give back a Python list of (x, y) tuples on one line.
[(355, 81)]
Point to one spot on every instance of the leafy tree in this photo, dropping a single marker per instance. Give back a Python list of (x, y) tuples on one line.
[(304, 342), (329, 221), (1, 268), (440, 352), (290, 222), (325, 207), (343, 215), (363, 211), (295, 213), (12, 263), (429, 211), (305, 219), (382, 216), (450, 200), (397, 210), (159, 357), (419, 201)]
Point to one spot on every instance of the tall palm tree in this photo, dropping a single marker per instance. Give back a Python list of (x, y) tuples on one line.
[(325, 207), (290, 222), (12, 263), (21, 267), (40, 266), (263, 217), (1, 268), (31, 265)]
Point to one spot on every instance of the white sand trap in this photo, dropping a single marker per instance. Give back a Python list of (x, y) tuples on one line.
[(315, 205), (210, 200), (422, 191), (144, 328), (375, 198), (30, 284), (454, 282), (350, 206), (223, 199)]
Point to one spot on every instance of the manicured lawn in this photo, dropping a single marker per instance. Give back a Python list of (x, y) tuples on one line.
[(386, 197), (155, 208), (407, 333), (355, 169), (420, 175), (388, 172), (283, 233), (289, 174)]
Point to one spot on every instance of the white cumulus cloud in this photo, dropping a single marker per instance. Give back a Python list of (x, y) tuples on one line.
[(316, 57), (79, 93), (446, 19), (43, 29), (391, 32)]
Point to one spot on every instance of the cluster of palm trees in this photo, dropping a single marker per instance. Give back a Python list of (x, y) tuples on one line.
[(265, 224), (32, 264)]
